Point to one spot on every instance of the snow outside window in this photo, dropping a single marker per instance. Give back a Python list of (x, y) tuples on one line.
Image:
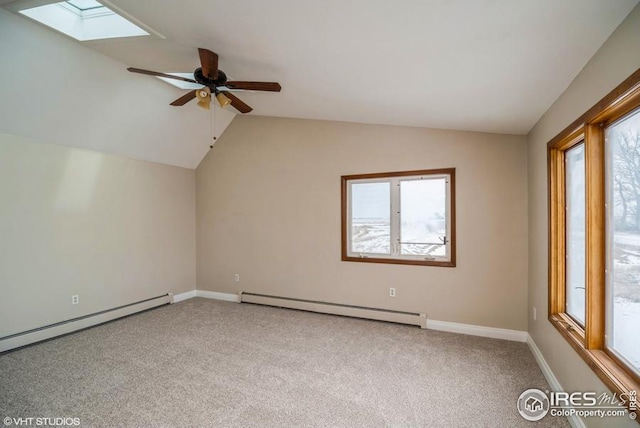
[(399, 217)]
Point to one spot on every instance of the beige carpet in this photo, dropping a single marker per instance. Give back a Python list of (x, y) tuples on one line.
[(210, 363)]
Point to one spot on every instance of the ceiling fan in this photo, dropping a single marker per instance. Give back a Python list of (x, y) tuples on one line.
[(213, 81)]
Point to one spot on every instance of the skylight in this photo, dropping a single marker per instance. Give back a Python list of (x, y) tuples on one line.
[(84, 5), (84, 20)]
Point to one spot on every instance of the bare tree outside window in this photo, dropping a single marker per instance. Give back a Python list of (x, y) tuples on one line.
[(623, 256)]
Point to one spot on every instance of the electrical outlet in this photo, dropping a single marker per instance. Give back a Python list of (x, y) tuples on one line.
[(236, 278), (392, 292), (534, 313), (75, 299)]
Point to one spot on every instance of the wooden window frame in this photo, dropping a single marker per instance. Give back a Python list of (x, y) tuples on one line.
[(345, 179), (588, 341)]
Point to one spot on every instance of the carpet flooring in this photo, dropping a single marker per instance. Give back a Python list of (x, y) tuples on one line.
[(210, 363)]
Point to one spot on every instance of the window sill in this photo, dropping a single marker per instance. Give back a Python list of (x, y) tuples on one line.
[(451, 263), (614, 376)]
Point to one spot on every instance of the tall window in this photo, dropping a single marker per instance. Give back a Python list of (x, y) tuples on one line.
[(594, 246), (576, 232), (623, 244), (401, 217)]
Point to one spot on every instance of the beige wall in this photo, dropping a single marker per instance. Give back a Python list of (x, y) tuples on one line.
[(614, 62), (268, 206), (73, 221)]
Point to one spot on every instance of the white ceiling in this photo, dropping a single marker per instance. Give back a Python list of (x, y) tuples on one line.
[(482, 65)]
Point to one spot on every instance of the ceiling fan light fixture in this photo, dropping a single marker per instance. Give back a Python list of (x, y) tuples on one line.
[(204, 98), (222, 100)]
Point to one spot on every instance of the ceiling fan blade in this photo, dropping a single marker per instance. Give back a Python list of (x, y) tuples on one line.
[(209, 63), (237, 102), (184, 99), (155, 73), (254, 86)]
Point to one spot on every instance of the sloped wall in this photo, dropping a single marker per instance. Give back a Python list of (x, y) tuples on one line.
[(112, 229), (55, 90)]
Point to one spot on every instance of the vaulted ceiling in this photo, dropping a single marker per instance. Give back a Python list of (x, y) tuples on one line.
[(481, 65)]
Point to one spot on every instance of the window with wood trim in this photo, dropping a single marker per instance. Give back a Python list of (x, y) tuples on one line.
[(594, 242), (399, 217)]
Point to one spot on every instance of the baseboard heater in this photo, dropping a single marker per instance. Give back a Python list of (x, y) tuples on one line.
[(412, 318), (69, 326)]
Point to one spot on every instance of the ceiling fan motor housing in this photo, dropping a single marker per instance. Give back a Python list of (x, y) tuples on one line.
[(200, 78)]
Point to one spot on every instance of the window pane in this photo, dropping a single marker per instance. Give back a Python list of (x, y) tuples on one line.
[(623, 237), (371, 218), (575, 239), (423, 217), (85, 4)]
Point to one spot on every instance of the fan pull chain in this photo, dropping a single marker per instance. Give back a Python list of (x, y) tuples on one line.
[(213, 125)]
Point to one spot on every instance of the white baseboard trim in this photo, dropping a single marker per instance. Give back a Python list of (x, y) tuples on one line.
[(228, 297), (452, 327), (184, 296), (574, 420), (477, 330), (546, 370)]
